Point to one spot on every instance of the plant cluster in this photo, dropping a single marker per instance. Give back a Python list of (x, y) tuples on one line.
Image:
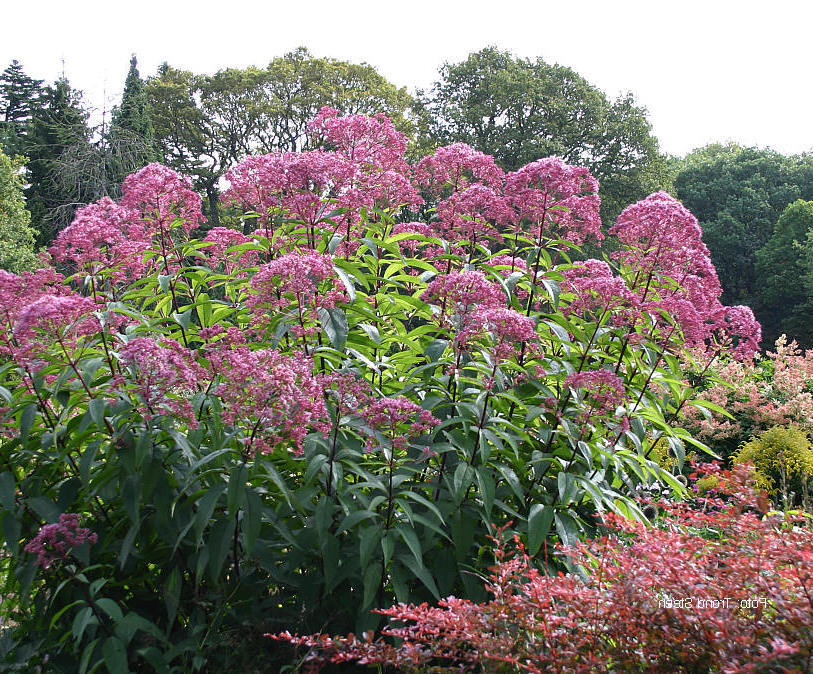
[(285, 426), (774, 390), (717, 584)]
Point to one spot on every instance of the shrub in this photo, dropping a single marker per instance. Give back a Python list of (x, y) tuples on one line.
[(285, 428), (718, 585), (783, 452)]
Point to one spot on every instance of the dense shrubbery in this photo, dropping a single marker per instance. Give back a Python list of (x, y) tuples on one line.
[(717, 584), (283, 427)]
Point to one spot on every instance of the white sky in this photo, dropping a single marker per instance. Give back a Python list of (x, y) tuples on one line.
[(712, 70)]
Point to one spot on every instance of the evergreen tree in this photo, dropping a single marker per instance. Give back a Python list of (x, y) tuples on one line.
[(57, 124), (16, 237), (18, 99), (130, 142)]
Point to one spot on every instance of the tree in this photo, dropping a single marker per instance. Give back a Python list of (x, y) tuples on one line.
[(58, 123), (781, 267), (738, 195), (16, 237), (18, 96), (205, 124), (520, 110), (131, 138), (133, 113)]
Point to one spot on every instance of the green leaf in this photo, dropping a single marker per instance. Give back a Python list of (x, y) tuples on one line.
[(110, 607), (252, 519), (8, 489), (131, 496), (81, 621), (422, 573), (27, 420), (96, 408), (540, 518), (237, 489), (219, 543), (334, 323), (172, 596), (411, 539), (127, 543), (115, 655), (372, 581), (45, 508)]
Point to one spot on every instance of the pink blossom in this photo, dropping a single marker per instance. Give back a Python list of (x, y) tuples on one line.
[(556, 199), (163, 198), (603, 388), (273, 398), (597, 291), (739, 331), (457, 166), (371, 141), (295, 280), (291, 184), (399, 419), (163, 376), (104, 236), (473, 213), (55, 541), (222, 239), (508, 329), (54, 319), (17, 292)]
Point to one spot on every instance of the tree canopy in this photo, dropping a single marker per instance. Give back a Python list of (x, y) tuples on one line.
[(204, 124), (519, 110), (738, 195), (16, 237)]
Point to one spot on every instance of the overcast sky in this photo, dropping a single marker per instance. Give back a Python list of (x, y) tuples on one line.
[(708, 71)]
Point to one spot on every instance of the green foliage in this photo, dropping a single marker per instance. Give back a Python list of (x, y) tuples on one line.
[(738, 195), (782, 452), (204, 546), (18, 96), (781, 267), (519, 110), (16, 237), (204, 124), (58, 123)]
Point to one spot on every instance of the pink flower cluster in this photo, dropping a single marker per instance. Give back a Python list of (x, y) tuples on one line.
[(295, 185), (603, 388), (222, 239), (462, 296), (51, 320), (273, 398), (55, 541), (598, 291), (163, 198), (454, 167), (104, 236), (557, 200), (293, 280), (349, 392), (163, 376), (508, 329), (399, 420), (17, 292), (675, 275)]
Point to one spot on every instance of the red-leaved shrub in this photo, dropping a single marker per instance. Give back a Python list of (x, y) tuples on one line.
[(718, 584)]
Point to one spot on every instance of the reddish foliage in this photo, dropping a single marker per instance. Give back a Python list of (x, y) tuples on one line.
[(717, 586)]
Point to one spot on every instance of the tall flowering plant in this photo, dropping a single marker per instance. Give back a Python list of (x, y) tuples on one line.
[(282, 428)]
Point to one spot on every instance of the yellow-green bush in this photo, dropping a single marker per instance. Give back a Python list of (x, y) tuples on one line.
[(783, 451)]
